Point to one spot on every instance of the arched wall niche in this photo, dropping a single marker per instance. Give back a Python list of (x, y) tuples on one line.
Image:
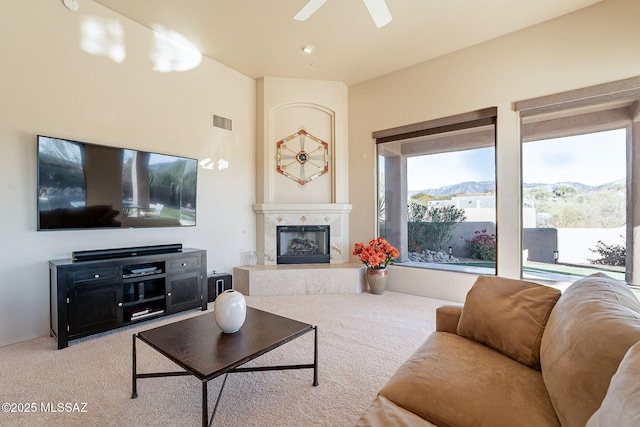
[(286, 122)]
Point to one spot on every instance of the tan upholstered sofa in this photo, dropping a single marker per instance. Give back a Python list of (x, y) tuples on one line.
[(520, 354)]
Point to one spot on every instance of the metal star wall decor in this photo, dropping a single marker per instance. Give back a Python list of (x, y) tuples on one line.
[(302, 160)]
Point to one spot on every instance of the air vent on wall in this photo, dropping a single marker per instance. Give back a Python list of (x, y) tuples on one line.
[(221, 122)]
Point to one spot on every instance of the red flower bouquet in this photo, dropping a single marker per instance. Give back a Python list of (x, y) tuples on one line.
[(377, 255)]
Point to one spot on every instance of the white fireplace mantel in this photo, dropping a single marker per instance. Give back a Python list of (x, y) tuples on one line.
[(269, 216), (287, 208)]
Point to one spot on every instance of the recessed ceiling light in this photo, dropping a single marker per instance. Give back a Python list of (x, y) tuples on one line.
[(307, 48)]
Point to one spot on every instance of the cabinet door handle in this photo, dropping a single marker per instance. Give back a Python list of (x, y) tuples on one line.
[(119, 304), (96, 276), (169, 294), (184, 264)]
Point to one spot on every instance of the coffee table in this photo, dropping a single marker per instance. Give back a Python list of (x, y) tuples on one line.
[(204, 351)]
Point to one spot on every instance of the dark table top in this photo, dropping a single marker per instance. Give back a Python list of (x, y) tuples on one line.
[(200, 347)]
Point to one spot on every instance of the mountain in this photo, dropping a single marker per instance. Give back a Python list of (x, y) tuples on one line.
[(473, 187), (577, 185), (470, 187)]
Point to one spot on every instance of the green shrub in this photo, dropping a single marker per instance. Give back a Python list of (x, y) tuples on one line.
[(431, 225), (609, 254)]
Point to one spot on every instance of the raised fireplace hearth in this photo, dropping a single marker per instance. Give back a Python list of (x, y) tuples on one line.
[(299, 279), (302, 244)]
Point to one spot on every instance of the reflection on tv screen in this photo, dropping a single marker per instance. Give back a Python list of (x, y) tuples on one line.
[(83, 185)]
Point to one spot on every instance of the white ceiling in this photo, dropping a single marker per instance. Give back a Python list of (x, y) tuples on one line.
[(259, 37)]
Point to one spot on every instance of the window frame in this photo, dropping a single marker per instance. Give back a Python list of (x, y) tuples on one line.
[(608, 106), (431, 137)]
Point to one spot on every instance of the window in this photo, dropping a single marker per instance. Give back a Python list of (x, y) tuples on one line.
[(574, 206), (437, 192), (582, 220)]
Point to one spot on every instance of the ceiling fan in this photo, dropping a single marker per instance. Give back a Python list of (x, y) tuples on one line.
[(377, 9)]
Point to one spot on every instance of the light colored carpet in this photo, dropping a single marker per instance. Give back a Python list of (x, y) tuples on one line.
[(362, 339)]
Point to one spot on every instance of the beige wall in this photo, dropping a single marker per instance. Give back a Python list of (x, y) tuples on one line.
[(50, 84), (592, 46)]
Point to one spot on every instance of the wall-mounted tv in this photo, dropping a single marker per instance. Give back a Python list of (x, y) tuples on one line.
[(83, 185)]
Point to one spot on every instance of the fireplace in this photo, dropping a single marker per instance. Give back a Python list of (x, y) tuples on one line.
[(302, 244)]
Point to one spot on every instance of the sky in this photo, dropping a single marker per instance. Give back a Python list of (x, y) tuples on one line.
[(591, 159), (439, 170)]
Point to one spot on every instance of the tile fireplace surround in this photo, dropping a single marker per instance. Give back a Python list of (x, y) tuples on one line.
[(335, 215), (270, 278)]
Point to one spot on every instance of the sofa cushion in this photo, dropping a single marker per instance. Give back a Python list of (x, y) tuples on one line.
[(621, 405), (384, 413), (454, 381), (591, 328), (508, 315)]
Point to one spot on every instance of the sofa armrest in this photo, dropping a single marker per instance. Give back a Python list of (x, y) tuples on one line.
[(447, 317), (384, 412)]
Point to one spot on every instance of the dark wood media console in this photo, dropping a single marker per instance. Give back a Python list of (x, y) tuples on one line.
[(97, 295)]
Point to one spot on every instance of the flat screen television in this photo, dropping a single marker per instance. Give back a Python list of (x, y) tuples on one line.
[(83, 185)]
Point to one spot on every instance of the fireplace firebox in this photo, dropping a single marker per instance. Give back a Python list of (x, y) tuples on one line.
[(302, 244)]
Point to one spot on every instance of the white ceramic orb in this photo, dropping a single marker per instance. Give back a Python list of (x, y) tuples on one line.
[(230, 311)]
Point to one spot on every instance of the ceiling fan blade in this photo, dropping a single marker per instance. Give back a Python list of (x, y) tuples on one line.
[(308, 9), (379, 12)]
